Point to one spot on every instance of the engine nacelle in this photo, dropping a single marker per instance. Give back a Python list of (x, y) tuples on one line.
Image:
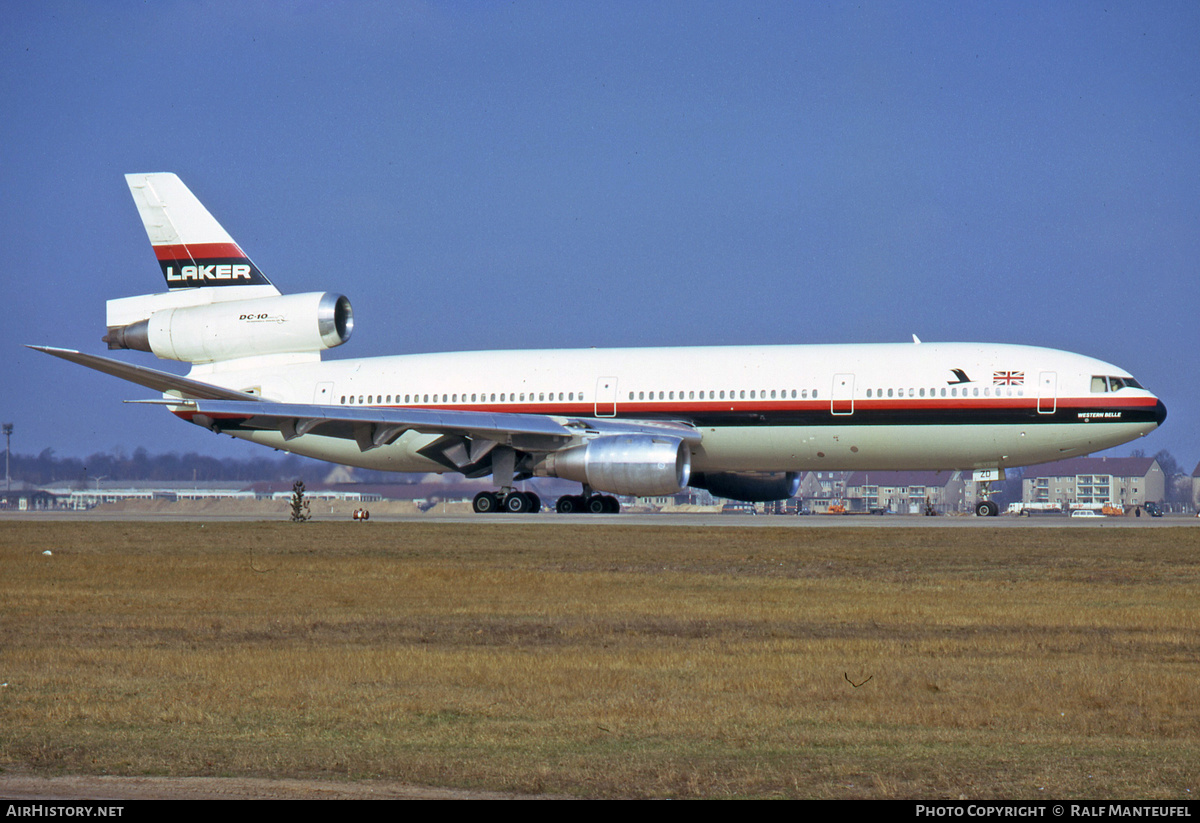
[(227, 330), (751, 488), (642, 465)]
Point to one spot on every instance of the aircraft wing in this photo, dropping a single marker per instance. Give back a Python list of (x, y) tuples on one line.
[(150, 378), (371, 427)]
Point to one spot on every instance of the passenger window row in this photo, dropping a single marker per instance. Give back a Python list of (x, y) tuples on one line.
[(974, 391), (475, 397), (732, 394), (1099, 384)]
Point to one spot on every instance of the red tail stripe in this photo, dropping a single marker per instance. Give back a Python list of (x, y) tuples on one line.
[(198, 251)]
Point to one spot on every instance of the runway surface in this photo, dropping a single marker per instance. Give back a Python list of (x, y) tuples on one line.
[(654, 519)]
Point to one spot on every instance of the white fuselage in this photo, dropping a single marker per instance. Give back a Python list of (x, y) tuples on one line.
[(757, 408)]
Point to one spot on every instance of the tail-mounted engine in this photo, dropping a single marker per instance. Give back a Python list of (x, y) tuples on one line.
[(231, 329)]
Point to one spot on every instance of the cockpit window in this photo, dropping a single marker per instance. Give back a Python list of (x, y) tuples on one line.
[(1107, 383)]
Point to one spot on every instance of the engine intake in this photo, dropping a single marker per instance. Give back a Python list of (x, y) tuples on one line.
[(288, 324), (638, 464)]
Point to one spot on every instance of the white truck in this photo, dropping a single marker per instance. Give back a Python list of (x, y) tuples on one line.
[(1029, 509)]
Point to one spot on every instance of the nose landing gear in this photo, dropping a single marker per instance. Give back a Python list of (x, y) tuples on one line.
[(987, 508)]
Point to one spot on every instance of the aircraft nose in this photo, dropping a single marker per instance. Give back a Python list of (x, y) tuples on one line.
[(1160, 412)]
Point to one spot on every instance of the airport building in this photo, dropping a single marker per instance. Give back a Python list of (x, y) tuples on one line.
[(898, 492), (20, 496), (903, 492), (1090, 482), (77, 496)]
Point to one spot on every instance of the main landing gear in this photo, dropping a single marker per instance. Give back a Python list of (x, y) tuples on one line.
[(513, 502), (508, 499), (592, 504)]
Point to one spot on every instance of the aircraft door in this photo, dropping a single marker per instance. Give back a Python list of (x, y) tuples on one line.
[(324, 394), (1047, 392), (842, 401), (606, 397)]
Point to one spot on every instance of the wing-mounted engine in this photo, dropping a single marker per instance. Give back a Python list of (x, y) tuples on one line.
[(229, 329), (642, 465), (750, 487)]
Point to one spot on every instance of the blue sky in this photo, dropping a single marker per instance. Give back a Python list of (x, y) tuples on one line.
[(529, 174)]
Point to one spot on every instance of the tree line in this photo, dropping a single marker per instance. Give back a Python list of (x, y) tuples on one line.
[(48, 468)]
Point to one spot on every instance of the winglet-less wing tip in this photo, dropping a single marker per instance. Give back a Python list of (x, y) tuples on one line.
[(150, 378)]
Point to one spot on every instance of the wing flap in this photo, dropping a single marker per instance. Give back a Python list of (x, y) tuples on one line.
[(374, 427), (602, 426)]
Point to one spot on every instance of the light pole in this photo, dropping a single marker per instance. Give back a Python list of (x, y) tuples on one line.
[(7, 449)]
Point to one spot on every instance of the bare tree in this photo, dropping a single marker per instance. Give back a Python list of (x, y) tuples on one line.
[(300, 512), (1173, 489)]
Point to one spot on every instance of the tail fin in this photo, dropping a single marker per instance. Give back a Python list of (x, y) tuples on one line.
[(192, 248)]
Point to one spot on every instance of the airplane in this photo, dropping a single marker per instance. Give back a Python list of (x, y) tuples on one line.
[(743, 422)]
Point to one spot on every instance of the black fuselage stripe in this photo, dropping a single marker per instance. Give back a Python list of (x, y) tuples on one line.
[(913, 417), (1075, 415)]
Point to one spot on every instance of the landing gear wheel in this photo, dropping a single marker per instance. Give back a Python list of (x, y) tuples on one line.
[(986, 508), (603, 504), (569, 504), (485, 503), (518, 503)]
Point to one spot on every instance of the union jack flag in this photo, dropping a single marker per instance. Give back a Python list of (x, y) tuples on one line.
[(1008, 378)]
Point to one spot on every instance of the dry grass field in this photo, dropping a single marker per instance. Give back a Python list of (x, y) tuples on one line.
[(608, 661)]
